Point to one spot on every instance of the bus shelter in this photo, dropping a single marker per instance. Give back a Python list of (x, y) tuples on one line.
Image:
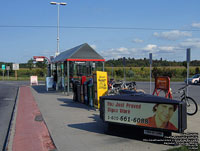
[(74, 63)]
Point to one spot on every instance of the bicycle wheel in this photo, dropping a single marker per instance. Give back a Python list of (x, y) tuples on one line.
[(191, 105)]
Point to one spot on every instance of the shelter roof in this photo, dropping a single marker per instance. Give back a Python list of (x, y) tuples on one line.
[(79, 53)]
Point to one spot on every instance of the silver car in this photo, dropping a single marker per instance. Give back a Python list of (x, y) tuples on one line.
[(194, 79)]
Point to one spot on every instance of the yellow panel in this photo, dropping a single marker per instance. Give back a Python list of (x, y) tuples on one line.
[(102, 85)]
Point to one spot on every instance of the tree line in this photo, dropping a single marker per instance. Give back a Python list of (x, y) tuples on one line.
[(132, 62), (129, 62)]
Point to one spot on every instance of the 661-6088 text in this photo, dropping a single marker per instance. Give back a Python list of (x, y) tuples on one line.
[(128, 119)]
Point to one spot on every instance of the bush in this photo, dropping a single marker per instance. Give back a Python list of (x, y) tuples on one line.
[(196, 70), (156, 72), (130, 73), (39, 72), (184, 73), (119, 73)]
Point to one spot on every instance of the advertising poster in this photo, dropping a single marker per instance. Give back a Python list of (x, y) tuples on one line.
[(164, 116), (102, 84)]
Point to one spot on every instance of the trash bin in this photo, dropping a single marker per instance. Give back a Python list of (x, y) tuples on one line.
[(78, 93), (85, 93), (82, 94), (75, 90), (90, 89)]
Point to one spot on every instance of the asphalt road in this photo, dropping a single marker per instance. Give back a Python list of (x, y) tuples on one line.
[(193, 90), (8, 94)]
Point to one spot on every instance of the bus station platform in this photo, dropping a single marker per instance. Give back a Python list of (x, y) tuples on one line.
[(51, 121)]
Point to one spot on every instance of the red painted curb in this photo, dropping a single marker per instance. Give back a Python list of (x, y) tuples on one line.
[(30, 135)]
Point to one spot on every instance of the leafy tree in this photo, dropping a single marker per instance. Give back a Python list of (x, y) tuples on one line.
[(196, 70), (130, 73), (156, 72), (42, 65), (185, 64), (119, 72), (184, 73), (30, 64)]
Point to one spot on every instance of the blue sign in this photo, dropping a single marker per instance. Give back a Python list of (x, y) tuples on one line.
[(3, 67), (150, 58), (188, 54)]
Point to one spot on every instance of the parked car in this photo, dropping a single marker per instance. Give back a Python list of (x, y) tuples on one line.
[(194, 79)]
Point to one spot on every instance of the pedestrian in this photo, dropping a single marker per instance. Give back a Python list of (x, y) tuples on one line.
[(55, 77)]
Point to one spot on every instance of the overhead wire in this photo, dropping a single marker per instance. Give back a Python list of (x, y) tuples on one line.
[(96, 27)]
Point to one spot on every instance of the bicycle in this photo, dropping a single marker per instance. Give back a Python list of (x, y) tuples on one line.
[(114, 87), (191, 104), (123, 87)]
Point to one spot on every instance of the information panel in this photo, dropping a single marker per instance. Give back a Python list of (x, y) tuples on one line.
[(156, 115), (3, 66), (15, 66), (102, 84)]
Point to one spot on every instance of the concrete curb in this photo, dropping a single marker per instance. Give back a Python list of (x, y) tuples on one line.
[(12, 128)]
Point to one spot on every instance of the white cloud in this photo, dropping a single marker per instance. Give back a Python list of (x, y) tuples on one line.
[(117, 53), (158, 51), (191, 43), (197, 25), (150, 48), (172, 35), (167, 49), (136, 40)]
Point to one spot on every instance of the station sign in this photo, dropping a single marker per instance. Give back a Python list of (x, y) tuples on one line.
[(124, 61), (39, 59), (15, 66), (7, 67), (3, 66), (150, 58), (188, 54)]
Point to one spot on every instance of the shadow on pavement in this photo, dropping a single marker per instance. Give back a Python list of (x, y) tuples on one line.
[(96, 126), (128, 132), (71, 103), (42, 89)]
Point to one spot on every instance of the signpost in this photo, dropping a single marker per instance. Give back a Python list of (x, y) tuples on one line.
[(3, 66), (16, 67), (112, 72), (188, 52), (8, 69), (124, 64), (150, 62)]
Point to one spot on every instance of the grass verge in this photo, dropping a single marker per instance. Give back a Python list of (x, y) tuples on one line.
[(185, 148)]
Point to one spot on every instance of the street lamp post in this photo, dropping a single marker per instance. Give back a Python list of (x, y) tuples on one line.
[(58, 4)]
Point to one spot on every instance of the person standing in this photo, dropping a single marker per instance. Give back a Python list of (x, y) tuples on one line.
[(55, 78)]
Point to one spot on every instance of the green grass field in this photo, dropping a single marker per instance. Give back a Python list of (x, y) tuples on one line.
[(143, 73), (132, 73)]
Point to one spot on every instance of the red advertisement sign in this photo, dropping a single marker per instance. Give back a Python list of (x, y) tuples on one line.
[(162, 84)]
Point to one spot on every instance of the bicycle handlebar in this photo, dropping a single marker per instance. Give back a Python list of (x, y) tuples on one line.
[(183, 87)]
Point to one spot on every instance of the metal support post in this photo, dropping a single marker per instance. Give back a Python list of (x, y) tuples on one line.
[(67, 77)]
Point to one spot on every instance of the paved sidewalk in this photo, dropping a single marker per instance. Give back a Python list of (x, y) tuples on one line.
[(30, 132), (75, 126)]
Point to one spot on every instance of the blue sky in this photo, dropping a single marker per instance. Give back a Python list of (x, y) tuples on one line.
[(165, 28)]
